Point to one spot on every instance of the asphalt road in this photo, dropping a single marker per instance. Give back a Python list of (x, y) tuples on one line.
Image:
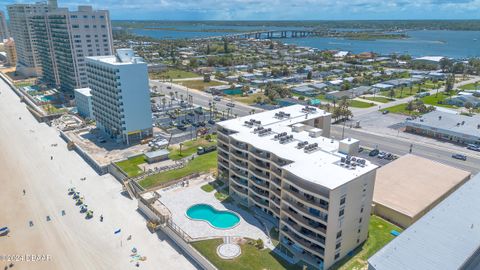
[(202, 99), (400, 146)]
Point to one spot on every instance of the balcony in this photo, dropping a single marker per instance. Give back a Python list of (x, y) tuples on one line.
[(259, 182), (309, 212), (307, 222), (260, 154), (260, 192), (307, 198), (305, 232), (239, 189), (239, 181), (239, 163), (277, 181), (316, 249), (259, 200), (240, 146), (240, 154), (260, 174), (240, 172), (260, 164), (223, 154)]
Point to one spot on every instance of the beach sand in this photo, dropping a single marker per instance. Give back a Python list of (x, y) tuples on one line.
[(66, 241)]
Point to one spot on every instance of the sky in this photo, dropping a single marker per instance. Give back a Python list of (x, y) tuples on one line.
[(279, 9)]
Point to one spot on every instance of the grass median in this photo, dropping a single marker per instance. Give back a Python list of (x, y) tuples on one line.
[(200, 164)]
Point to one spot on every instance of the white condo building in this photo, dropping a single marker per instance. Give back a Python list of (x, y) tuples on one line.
[(64, 38), (83, 102), (21, 31), (121, 95), (281, 162)]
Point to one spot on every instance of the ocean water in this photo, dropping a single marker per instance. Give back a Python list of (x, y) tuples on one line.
[(454, 44)]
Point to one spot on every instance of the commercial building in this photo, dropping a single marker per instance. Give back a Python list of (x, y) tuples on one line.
[(9, 45), (351, 93), (446, 238), (21, 31), (447, 126), (64, 38), (282, 163), (83, 101), (120, 95), (409, 187), (4, 34)]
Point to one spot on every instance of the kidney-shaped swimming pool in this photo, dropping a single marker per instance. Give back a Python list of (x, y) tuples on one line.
[(216, 218)]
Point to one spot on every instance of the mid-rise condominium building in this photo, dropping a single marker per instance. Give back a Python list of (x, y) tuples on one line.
[(64, 38), (121, 95), (83, 102), (4, 34), (21, 31), (283, 163)]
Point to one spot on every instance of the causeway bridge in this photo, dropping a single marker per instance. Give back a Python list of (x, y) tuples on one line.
[(272, 34)]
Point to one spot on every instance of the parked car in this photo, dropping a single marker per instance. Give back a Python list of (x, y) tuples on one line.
[(385, 112), (382, 155), (459, 156), (217, 98), (211, 122), (474, 147), (230, 104), (374, 152)]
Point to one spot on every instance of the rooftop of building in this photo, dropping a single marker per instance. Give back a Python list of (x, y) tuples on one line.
[(411, 183), (323, 165), (122, 57), (469, 125), (447, 237), (84, 91)]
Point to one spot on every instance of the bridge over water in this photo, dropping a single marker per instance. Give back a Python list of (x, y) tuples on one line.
[(272, 34)]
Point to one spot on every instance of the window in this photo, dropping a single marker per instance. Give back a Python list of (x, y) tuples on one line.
[(341, 212), (339, 234), (337, 256), (361, 210), (75, 26), (359, 230), (358, 241), (339, 244), (342, 201), (360, 220)]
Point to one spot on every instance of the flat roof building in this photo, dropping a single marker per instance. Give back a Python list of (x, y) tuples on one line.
[(83, 101), (283, 163), (121, 95), (407, 188), (446, 238), (447, 126)]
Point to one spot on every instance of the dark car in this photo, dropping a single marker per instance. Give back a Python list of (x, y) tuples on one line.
[(459, 156), (374, 152), (202, 124), (385, 112), (211, 122)]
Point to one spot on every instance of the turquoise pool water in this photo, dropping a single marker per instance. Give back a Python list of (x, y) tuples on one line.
[(216, 218)]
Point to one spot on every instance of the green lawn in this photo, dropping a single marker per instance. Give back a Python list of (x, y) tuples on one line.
[(250, 99), (434, 99), (359, 104), (130, 166), (470, 86), (378, 236), (207, 188), (199, 84), (251, 258), (173, 74), (23, 84), (200, 164), (378, 99), (400, 109), (189, 148), (222, 195)]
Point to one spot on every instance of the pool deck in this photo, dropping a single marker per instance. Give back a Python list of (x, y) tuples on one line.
[(179, 199)]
